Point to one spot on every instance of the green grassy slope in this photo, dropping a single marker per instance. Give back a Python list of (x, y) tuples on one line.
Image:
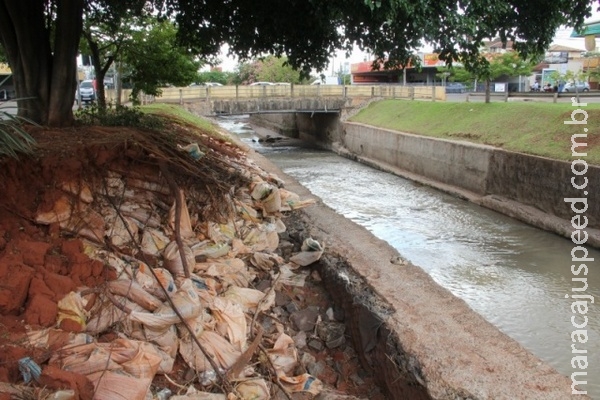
[(527, 127)]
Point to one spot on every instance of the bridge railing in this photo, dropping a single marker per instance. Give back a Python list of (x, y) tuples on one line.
[(181, 94)]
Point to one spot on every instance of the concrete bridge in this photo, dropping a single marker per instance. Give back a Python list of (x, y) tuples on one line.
[(284, 98)]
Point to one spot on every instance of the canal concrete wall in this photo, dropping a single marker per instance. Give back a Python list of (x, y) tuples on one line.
[(415, 337), (453, 163), (523, 186), (283, 124)]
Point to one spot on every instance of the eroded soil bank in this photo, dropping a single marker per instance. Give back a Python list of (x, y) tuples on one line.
[(92, 228)]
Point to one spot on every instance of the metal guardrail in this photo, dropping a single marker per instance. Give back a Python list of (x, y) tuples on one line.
[(179, 95)]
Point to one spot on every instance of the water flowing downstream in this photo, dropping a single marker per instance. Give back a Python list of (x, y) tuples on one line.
[(514, 275)]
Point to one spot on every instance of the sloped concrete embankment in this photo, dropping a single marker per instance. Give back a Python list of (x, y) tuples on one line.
[(415, 336), (529, 188)]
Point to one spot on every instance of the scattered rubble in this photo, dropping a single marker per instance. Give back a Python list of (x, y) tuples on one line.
[(133, 271)]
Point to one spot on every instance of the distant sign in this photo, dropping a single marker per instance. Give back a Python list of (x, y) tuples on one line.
[(500, 87), (432, 60), (548, 75), (556, 57)]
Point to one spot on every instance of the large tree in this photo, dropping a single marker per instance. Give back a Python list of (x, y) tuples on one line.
[(41, 36), (154, 59), (269, 69), (106, 30), (41, 39)]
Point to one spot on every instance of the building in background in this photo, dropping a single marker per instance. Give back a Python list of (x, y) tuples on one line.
[(559, 58), (363, 72)]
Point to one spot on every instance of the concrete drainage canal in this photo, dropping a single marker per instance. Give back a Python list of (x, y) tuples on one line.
[(513, 275)]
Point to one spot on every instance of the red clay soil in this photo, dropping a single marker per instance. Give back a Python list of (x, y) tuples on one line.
[(39, 264)]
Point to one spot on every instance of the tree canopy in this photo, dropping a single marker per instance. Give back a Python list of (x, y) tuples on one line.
[(269, 69), (41, 37), (154, 59)]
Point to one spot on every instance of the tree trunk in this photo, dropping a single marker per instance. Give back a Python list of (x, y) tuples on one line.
[(45, 76), (487, 91), (99, 69), (99, 74)]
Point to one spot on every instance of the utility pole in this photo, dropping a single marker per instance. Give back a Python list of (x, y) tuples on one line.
[(332, 66), (118, 83)]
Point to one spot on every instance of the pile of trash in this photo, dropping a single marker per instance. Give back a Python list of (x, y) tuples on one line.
[(186, 286)]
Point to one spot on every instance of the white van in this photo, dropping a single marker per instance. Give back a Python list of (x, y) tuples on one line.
[(328, 80)]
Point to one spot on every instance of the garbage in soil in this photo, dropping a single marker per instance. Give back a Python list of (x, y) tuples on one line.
[(164, 287)]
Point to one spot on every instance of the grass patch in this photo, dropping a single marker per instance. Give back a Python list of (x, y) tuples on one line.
[(180, 114), (532, 128)]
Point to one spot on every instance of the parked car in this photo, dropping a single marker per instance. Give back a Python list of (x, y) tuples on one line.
[(455, 87), (580, 86), (262, 84), (86, 91), (206, 84), (328, 80)]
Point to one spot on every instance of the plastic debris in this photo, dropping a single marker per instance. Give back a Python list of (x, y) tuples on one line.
[(173, 262), (265, 261), (284, 355), (186, 300), (154, 241), (311, 253), (255, 389), (288, 277), (145, 305), (302, 383), (29, 369), (291, 201), (193, 150), (185, 224), (121, 370), (250, 299), (231, 316), (223, 353), (72, 307), (163, 394), (213, 251), (193, 394)]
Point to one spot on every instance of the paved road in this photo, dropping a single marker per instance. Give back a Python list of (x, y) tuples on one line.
[(8, 107)]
